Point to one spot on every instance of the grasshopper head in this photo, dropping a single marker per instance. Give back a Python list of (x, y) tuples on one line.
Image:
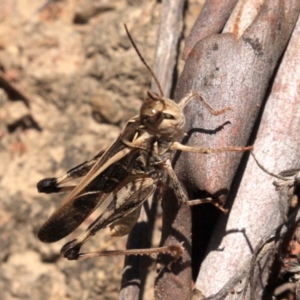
[(162, 116)]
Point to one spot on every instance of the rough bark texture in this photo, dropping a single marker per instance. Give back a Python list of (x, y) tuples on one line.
[(169, 34), (230, 72), (232, 69), (175, 282), (211, 20), (256, 208)]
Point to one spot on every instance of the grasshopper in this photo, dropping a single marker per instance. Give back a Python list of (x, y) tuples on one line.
[(125, 175)]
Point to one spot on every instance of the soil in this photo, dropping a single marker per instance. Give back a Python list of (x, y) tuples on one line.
[(69, 80)]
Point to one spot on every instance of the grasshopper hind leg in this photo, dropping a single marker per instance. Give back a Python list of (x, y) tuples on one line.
[(182, 197), (174, 250), (71, 251), (123, 211), (53, 184)]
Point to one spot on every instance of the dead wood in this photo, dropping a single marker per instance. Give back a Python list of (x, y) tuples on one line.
[(231, 69), (170, 30), (256, 208), (211, 20), (243, 281)]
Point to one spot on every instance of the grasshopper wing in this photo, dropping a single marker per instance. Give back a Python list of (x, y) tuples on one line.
[(80, 204), (125, 201)]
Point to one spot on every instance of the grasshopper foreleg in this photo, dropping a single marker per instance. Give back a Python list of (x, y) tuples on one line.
[(194, 94)]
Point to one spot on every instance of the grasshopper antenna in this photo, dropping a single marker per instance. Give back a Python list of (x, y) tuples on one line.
[(144, 62)]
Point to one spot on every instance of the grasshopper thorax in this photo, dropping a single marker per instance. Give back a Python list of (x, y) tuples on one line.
[(162, 116)]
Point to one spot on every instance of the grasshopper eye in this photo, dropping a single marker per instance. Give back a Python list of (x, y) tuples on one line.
[(153, 118), (168, 117)]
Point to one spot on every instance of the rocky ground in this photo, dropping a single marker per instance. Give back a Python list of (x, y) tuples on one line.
[(69, 80)]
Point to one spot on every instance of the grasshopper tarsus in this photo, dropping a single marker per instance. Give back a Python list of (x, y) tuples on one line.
[(213, 201), (48, 186), (229, 149), (176, 250)]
